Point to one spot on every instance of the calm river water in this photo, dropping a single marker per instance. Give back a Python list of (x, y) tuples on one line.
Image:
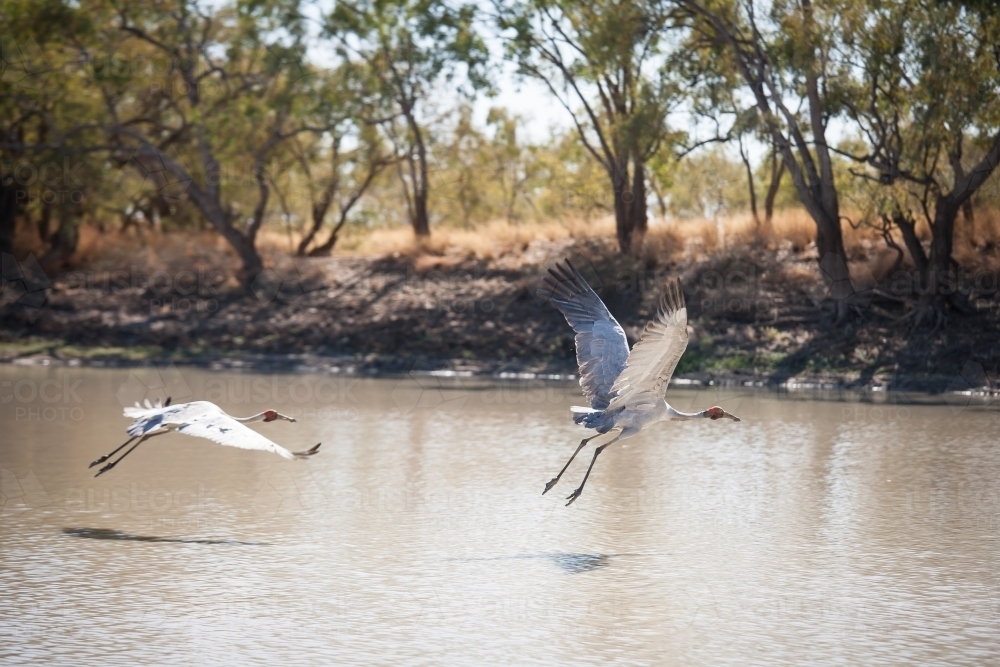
[(812, 532)]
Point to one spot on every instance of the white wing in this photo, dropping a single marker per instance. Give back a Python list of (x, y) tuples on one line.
[(654, 357), (601, 346), (176, 414), (153, 420), (225, 430)]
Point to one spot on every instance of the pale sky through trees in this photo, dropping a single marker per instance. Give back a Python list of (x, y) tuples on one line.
[(527, 99)]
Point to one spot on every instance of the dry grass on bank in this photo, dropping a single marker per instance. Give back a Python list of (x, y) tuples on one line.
[(497, 238), (976, 245), (664, 239)]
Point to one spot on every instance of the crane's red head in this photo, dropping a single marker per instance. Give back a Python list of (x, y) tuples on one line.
[(271, 415), (715, 412)]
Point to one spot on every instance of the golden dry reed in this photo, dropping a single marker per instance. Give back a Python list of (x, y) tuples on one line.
[(977, 243)]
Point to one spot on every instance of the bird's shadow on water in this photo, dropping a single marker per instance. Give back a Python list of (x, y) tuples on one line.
[(572, 563), (109, 534)]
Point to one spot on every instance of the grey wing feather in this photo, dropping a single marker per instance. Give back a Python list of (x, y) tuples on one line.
[(654, 357), (601, 346)]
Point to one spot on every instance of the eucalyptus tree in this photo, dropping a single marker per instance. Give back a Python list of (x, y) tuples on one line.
[(786, 59), (207, 96), (411, 50), (49, 174), (343, 157), (927, 101), (608, 63)]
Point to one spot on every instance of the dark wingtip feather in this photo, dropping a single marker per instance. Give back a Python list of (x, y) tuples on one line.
[(309, 452), (563, 282), (672, 299)]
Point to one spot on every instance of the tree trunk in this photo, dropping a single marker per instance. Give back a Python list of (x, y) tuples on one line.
[(325, 249), (310, 235), (970, 216), (419, 175), (936, 283), (63, 243), (45, 224), (777, 172), (939, 279), (630, 205), (421, 224), (639, 215), (623, 218), (244, 245), (252, 264), (955, 156), (416, 201), (12, 197), (750, 186), (913, 246), (833, 260), (942, 238), (319, 210), (208, 201)]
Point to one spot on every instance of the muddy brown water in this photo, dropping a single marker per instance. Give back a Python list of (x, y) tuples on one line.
[(812, 532)]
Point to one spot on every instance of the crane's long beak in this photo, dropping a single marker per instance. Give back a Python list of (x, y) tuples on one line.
[(291, 419), (730, 415)]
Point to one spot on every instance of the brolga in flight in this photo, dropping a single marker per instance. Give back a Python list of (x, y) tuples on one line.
[(626, 391), (201, 419)]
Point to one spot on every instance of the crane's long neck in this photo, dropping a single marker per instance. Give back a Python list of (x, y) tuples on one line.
[(259, 417), (677, 414)]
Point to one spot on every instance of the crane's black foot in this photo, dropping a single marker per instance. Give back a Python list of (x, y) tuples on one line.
[(106, 468), (100, 460), (573, 496), (548, 487)]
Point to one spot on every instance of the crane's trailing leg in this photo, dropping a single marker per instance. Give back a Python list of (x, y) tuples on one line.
[(119, 460), (625, 433), (108, 456), (552, 482)]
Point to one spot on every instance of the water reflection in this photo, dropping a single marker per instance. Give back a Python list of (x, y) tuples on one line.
[(109, 534), (572, 563)]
